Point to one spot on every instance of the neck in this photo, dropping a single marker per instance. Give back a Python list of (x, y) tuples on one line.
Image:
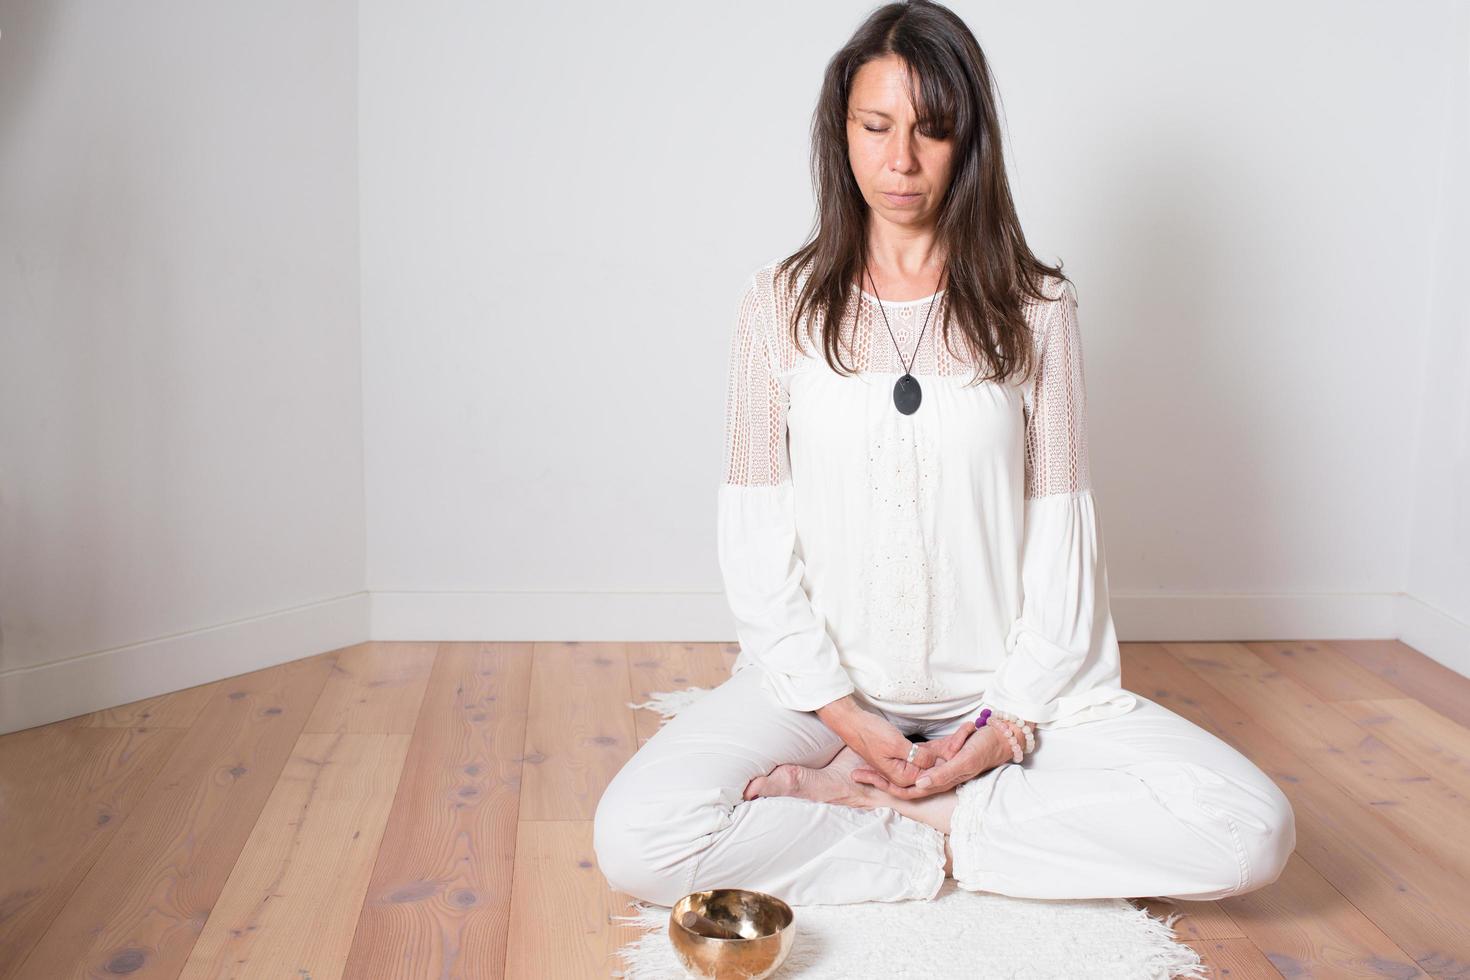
[(901, 253)]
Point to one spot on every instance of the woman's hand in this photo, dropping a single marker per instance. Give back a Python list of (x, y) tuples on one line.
[(886, 749), (961, 755)]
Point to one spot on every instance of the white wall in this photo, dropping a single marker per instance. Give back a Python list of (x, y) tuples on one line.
[(1437, 558), (558, 212), (181, 492), (1262, 205)]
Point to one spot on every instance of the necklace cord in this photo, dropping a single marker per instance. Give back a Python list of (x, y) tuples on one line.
[(906, 368)]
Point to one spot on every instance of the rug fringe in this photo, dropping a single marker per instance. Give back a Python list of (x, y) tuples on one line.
[(1168, 957), (670, 703), (642, 959)]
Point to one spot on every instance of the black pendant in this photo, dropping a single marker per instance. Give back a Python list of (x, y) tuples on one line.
[(906, 394)]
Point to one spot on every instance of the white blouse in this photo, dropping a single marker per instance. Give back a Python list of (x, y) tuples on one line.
[(933, 562)]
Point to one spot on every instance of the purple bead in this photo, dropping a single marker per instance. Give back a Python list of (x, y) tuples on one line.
[(984, 717)]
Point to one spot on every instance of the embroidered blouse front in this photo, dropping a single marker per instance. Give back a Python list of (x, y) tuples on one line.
[(929, 561)]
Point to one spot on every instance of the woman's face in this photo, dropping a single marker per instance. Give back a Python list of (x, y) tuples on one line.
[(902, 174)]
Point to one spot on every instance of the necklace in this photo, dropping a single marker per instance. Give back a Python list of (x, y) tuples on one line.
[(906, 391)]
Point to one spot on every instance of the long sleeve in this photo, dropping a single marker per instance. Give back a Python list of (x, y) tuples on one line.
[(1064, 634), (775, 620)]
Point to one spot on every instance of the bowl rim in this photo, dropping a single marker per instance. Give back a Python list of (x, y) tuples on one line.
[(675, 923)]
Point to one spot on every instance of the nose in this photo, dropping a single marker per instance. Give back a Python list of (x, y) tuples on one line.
[(901, 155)]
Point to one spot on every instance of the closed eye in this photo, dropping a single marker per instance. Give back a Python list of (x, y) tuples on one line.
[(930, 135)]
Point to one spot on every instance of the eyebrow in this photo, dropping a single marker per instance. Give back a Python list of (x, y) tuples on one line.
[(872, 111)]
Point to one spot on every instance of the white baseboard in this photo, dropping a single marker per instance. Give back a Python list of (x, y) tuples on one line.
[(44, 693), (1183, 617), (1434, 634), (38, 695)]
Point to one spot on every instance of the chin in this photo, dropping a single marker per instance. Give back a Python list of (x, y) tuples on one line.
[(904, 216)]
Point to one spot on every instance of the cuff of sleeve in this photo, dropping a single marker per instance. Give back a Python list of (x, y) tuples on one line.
[(806, 695), (1035, 668), (1033, 711)]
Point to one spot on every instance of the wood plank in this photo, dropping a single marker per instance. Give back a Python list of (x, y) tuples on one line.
[(439, 896), (1323, 670), (1422, 678), (62, 724), (1197, 920), (728, 652), (671, 667), (143, 903), (65, 791), (374, 687), (1419, 905), (177, 709), (1306, 928), (1233, 958), (1417, 806), (579, 728), (293, 898), (562, 908), (1437, 745)]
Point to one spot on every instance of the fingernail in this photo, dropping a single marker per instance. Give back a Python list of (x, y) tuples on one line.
[(924, 781)]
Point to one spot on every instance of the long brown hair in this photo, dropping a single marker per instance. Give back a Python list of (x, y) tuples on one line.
[(991, 270)]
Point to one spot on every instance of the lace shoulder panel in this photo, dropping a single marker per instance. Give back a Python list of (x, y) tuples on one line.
[(755, 399), (1056, 397)]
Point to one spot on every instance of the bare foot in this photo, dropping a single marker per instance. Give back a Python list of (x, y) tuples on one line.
[(845, 762), (831, 784)]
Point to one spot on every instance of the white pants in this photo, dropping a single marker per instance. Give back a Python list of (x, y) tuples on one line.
[(1143, 804)]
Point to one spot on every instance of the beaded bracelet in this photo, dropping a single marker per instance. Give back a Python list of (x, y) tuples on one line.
[(1008, 723), (1019, 722), (1005, 729)]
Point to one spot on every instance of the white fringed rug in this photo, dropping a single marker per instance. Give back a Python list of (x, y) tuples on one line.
[(961, 934)]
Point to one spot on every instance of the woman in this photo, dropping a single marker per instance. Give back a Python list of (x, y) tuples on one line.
[(911, 550)]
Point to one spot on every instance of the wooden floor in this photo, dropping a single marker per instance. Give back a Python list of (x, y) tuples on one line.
[(417, 809)]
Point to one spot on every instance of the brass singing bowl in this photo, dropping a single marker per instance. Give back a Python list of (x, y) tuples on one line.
[(767, 925)]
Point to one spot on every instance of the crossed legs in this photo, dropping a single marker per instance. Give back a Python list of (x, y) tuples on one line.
[(738, 791)]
